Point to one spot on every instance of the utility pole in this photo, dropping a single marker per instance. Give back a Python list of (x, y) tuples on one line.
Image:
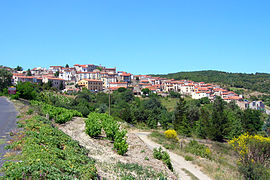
[(109, 99), (109, 103)]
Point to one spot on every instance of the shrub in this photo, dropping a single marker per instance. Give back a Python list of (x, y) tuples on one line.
[(60, 115), (120, 144), (15, 96), (188, 158), (26, 90), (201, 150), (97, 121), (92, 125), (157, 153), (164, 156), (254, 155), (110, 127), (30, 111), (171, 134)]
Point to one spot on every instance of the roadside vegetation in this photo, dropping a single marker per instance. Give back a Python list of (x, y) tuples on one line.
[(42, 151)]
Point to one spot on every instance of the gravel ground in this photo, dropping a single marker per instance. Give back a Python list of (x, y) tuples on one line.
[(178, 162), (106, 158), (8, 120)]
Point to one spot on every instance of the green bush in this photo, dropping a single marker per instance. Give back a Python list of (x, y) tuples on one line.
[(15, 96), (30, 111), (188, 158), (97, 121), (164, 156), (110, 127), (201, 150), (254, 171), (157, 153), (120, 144), (27, 90), (59, 114), (93, 125)]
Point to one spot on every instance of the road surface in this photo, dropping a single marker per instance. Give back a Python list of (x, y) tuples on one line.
[(178, 162), (8, 120)]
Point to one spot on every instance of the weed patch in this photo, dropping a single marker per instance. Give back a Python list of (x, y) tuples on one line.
[(128, 171), (164, 156)]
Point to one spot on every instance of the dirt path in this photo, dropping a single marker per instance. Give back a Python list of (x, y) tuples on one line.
[(178, 162), (107, 159)]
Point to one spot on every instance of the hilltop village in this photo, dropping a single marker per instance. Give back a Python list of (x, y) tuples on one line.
[(98, 78)]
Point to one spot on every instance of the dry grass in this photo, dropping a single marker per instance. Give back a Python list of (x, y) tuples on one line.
[(190, 174), (169, 103), (223, 163)]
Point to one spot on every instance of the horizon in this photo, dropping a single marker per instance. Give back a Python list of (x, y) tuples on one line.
[(25, 69), (153, 37)]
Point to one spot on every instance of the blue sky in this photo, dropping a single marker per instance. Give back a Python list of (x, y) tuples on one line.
[(137, 36)]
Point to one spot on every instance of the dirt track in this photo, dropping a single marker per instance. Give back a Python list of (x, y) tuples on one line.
[(178, 162)]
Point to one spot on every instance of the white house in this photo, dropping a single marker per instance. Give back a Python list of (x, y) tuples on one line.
[(67, 74)]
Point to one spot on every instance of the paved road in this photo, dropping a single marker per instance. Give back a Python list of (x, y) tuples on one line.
[(7, 123), (178, 162)]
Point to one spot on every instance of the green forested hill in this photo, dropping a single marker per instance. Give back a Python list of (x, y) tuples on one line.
[(257, 82)]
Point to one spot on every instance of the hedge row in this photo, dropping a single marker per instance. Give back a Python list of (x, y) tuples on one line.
[(59, 114), (97, 121)]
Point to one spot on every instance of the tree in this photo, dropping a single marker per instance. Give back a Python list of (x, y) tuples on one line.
[(266, 126), (5, 79), (26, 90), (146, 91), (50, 84), (180, 121), (235, 127), (99, 68), (67, 66), (174, 94), (204, 124), (219, 120), (18, 68), (61, 87), (29, 72), (121, 89), (251, 121), (205, 100), (56, 74)]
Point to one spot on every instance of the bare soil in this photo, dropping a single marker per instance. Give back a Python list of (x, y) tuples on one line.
[(107, 159)]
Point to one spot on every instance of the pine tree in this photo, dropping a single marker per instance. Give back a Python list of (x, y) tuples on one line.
[(29, 73), (219, 120), (204, 124), (180, 122), (61, 87)]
